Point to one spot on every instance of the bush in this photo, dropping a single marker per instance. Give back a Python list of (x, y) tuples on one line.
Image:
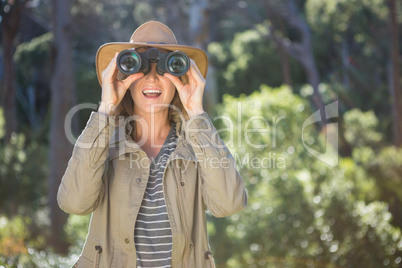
[(303, 213)]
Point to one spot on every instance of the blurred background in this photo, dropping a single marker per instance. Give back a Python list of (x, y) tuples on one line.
[(325, 188)]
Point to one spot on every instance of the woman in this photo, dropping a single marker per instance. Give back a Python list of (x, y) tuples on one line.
[(149, 163)]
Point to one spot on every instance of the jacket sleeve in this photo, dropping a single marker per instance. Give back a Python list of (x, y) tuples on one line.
[(81, 187), (222, 185)]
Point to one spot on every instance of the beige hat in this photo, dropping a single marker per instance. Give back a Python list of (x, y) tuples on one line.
[(150, 34)]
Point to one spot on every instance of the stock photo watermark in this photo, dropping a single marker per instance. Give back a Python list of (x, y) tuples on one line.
[(205, 140), (244, 161)]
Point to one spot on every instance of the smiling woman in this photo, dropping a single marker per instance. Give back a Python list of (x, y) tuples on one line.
[(126, 106), (148, 209)]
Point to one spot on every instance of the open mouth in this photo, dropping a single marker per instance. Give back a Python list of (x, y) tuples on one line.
[(151, 93)]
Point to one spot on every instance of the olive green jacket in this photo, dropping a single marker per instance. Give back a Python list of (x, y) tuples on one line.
[(107, 176)]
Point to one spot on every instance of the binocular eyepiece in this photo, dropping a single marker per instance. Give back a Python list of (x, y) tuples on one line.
[(129, 62)]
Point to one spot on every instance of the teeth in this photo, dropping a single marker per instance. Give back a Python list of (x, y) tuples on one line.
[(151, 91)]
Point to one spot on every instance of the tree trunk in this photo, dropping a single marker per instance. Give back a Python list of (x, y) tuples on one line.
[(287, 78), (9, 87), (313, 77), (345, 64), (301, 51), (175, 19), (199, 32), (63, 97), (396, 88), (286, 74), (9, 29)]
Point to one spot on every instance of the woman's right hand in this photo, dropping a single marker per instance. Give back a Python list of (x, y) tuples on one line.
[(114, 90)]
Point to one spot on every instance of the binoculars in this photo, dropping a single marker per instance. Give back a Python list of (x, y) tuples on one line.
[(129, 62)]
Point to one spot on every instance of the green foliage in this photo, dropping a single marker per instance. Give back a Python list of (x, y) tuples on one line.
[(23, 174), (77, 230), (351, 42), (18, 248), (361, 128), (381, 165), (303, 213), (385, 168), (88, 89), (33, 70), (13, 235), (343, 15), (248, 61), (32, 59)]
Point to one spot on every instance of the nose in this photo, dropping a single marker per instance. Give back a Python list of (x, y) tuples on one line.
[(153, 74)]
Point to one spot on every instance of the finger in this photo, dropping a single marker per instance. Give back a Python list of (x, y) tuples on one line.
[(195, 67), (175, 80), (113, 64), (196, 75), (131, 79), (111, 68)]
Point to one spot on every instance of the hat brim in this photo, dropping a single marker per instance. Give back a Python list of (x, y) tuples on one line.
[(107, 51)]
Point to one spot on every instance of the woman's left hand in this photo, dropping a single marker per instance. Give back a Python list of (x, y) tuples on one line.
[(192, 92)]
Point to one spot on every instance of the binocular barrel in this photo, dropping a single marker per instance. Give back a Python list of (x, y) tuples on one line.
[(129, 62)]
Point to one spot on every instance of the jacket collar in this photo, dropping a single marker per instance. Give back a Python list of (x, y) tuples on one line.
[(123, 139)]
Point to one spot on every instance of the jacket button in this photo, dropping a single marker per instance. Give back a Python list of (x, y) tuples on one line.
[(127, 240), (182, 183), (207, 254), (138, 180)]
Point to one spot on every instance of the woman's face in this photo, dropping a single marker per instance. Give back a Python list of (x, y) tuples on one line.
[(153, 92)]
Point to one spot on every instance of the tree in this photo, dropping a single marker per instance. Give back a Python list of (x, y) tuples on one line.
[(395, 85), (351, 39), (63, 97), (199, 32), (302, 51), (10, 20), (301, 212)]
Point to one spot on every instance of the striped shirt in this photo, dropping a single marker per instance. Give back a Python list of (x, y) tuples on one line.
[(152, 234)]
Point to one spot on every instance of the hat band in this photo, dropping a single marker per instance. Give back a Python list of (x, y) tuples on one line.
[(163, 43)]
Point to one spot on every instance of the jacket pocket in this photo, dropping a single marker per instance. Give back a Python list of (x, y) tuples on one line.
[(83, 263), (91, 255)]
